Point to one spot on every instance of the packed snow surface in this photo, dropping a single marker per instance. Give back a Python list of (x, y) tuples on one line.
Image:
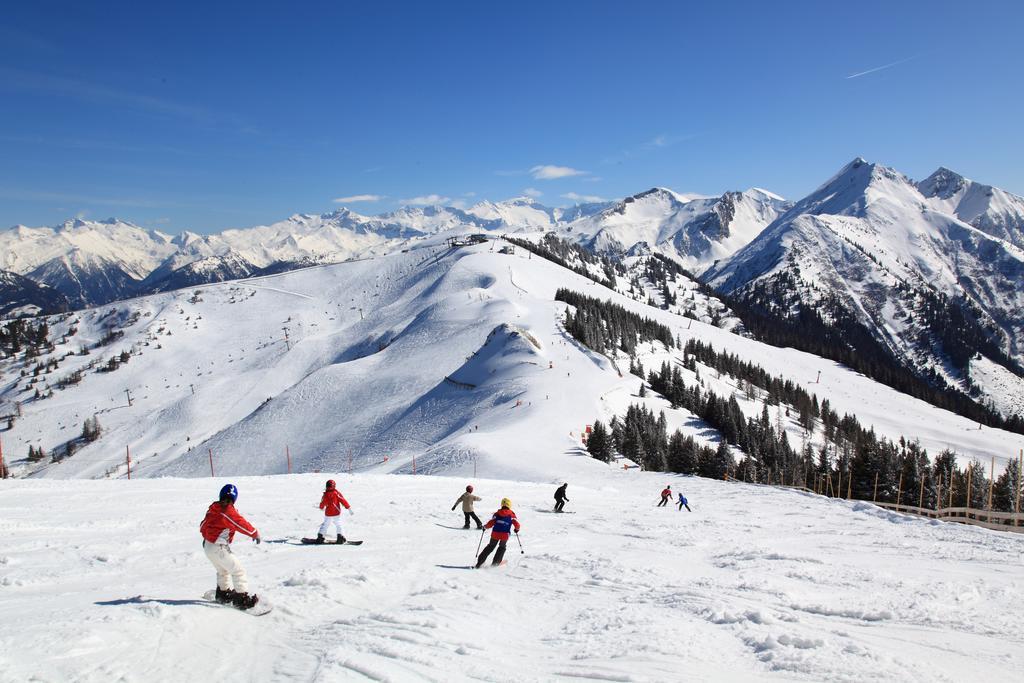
[(102, 581)]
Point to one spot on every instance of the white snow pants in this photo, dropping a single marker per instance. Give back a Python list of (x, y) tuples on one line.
[(229, 569), (334, 521)]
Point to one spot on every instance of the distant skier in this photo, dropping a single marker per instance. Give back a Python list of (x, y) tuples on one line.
[(501, 522), (560, 498), (467, 499), (666, 494), (683, 503), (331, 503), (218, 529)]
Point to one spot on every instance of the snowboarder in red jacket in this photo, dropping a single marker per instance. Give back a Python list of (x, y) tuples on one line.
[(666, 495), (501, 523), (218, 528), (331, 503)]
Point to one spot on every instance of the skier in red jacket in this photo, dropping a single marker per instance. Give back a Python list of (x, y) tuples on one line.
[(218, 529), (331, 503), (502, 522), (666, 495)]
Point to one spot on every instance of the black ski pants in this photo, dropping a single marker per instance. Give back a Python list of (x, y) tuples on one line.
[(472, 515), (682, 505), (500, 544), (664, 501), (559, 504)]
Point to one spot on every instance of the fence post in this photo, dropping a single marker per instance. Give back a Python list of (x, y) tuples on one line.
[(1016, 506), (920, 499), (414, 462), (3, 465), (128, 461), (951, 480), (938, 497), (288, 455), (849, 485), (899, 490), (211, 461), (991, 482), (839, 488), (970, 471), (874, 496)]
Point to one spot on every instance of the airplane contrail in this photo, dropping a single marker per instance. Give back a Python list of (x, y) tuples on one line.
[(880, 68)]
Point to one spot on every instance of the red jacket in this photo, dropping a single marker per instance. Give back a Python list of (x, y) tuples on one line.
[(220, 524), (666, 493), (502, 520), (332, 502)]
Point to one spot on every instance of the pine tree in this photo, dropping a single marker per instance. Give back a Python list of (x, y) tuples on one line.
[(599, 444)]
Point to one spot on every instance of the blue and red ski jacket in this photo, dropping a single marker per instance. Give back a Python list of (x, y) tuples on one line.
[(501, 522)]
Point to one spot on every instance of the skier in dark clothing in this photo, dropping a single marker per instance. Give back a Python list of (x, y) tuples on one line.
[(560, 498), (501, 522), (666, 494), (683, 503)]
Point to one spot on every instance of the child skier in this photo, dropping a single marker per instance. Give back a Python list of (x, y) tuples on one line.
[(501, 522), (467, 499), (560, 498), (683, 503), (666, 494), (218, 529), (331, 503)]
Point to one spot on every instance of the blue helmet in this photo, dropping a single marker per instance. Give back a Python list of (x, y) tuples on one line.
[(229, 491)]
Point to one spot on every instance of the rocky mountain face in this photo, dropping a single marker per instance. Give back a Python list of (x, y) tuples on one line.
[(894, 271), (20, 296)]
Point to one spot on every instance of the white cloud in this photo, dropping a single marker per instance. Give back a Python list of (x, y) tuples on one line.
[(583, 198), (532, 192), (469, 194), (426, 200), (549, 172), (458, 204), (358, 198)]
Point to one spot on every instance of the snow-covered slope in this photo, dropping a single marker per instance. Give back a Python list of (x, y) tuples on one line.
[(103, 581), (869, 240), (696, 231)]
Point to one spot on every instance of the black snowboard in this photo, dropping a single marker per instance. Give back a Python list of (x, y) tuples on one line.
[(312, 541)]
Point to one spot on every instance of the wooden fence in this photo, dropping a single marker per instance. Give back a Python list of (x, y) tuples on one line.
[(989, 519)]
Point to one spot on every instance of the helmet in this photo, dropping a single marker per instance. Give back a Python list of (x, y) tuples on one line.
[(331, 485), (469, 489), (229, 491), (506, 503)]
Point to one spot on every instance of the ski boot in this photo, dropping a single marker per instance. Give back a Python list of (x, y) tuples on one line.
[(224, 596), (244, 601), (319, 539), (340, 539)]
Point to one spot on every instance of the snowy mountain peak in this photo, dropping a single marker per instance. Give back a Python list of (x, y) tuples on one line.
[(943, 183)]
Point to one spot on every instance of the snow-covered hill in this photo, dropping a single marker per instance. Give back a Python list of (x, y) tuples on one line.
[(872, 246), (427, 354)]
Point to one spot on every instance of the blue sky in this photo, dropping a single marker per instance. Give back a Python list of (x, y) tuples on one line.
[(228, 115)]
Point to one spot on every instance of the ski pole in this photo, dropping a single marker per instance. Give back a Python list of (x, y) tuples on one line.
[(480, 542), (521, 551)]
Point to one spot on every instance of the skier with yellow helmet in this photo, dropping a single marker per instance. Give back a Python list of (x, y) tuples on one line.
[(501, 523)]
